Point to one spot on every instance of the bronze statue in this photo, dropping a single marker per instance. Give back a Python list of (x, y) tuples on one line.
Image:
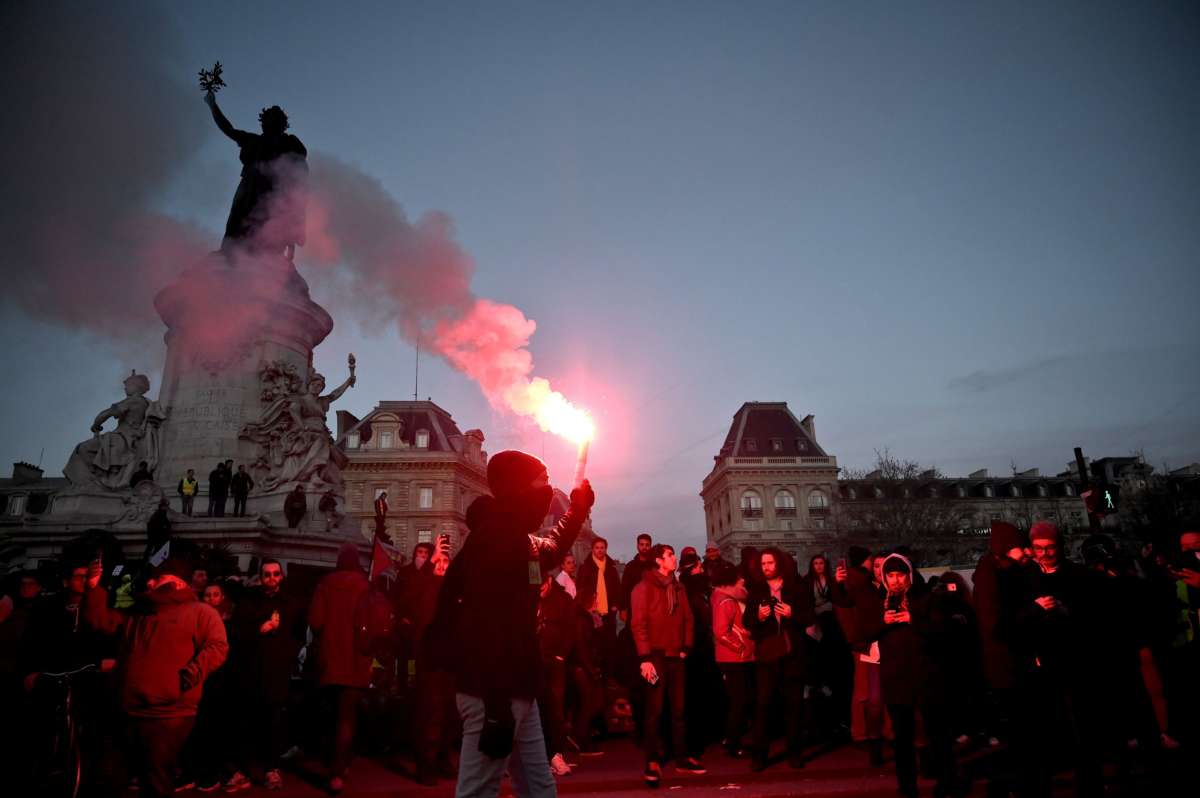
[(267, 214)]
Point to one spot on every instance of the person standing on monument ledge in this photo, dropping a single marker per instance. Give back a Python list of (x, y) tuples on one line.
[(189, 486), (218, 490), (240, 485)]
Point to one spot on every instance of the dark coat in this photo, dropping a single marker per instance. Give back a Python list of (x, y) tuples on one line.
[(560, 633), (662, 623), (585, 584), (859, 607), (57, 639), (218, 482), (264, 662), (631, 577), (241, 484), (169, 644), (994, 608), (331, 616), (489, 598), (801, 602)]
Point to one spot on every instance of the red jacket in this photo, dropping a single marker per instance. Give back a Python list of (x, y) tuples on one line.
[(331, 617), (732, 640), (167, 637), (662, 619)]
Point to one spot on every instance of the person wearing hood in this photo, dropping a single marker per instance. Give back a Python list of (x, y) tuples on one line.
[(342, 669), (915, 660), (664, 633), (734, 651), (778, 610), (169, 644), (706, 714), (488, 603)]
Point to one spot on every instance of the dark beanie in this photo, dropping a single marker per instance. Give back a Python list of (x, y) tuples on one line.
[(857, 555), (175, 566), (510, 472), (1044, 530), (688, 559), (348, 559), (1005, 537)]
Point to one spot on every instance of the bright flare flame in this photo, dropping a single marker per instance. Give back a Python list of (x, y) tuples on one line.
[(558, 416)]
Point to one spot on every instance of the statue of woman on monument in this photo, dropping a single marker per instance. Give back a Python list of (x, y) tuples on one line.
[(267, 214), (109, 459), (294, 443)]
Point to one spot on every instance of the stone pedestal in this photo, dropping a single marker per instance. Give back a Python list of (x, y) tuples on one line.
[(225, 317)]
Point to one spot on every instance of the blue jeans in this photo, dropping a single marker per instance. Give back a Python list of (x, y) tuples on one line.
[(479, 775)]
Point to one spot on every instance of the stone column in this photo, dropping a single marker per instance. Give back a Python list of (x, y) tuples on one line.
[(225, 316)]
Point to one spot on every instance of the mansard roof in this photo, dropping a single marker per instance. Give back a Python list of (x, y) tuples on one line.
[(414, 415), (757, 424)]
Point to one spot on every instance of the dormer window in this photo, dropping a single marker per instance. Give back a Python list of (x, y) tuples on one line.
[(16, 504), (422, 439), (961, 491), (989, 491), (1016, 491), (777, 445), (1042, 491), (1069, 489), (801, 445), (353, 441), (751, 445), (387, 440)]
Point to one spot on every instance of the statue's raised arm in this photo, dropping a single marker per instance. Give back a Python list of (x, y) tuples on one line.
[(240, 137)]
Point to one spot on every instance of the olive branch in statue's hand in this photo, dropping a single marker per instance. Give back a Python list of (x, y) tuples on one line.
[(211, 81)]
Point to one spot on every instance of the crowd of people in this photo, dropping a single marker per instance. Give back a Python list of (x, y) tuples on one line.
[(511, 657)]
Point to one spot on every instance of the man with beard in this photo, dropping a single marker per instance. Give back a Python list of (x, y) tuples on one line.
[(632, 576), (777, 612), (489, 598), (269, 631)]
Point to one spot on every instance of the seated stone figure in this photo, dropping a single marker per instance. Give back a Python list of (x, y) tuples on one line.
[(108, 459)]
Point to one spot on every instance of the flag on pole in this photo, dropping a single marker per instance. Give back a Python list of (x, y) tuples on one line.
[(382, 561)]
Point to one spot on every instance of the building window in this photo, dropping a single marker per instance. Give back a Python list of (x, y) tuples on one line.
[(422, 439), (818, 501), (1016, 491), (386, 440), (802, 445), (988, 491), (751, 504), (16, 504), (785, 504), (777, 445), (378, 491), (818, 522), (1069, 489), (1042, 491), (751, 445), (353, 441), (424, 536), (785, 524), (961, 491), (851, 493), (425, 499)]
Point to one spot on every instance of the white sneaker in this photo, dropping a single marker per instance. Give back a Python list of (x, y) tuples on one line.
[(559, 766)]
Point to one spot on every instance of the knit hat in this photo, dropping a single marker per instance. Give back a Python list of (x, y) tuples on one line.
[(857, 555), (1005, 538), (1044, 530), (175, 566), (688, 559), (510, 472)]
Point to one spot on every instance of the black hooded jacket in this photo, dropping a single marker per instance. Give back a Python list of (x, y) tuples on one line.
[(489, 597)]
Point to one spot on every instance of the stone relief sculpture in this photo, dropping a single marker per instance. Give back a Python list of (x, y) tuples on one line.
[(108, 460), (294, 445)]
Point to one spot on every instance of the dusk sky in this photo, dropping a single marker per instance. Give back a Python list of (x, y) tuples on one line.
[(967, 232)]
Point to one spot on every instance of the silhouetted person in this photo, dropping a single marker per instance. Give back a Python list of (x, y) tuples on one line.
[(141, 475), (268, 206), (218, 490), (240, 486), (295, 506)]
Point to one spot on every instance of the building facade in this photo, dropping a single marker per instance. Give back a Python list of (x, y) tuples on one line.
[(430, 470), (771, 484)]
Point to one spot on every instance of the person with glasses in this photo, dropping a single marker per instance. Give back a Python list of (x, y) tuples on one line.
[(269, 630)]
